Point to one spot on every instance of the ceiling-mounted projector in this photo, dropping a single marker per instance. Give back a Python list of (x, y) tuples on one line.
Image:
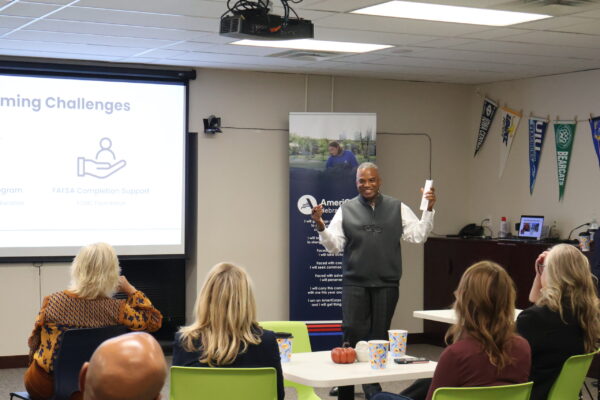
[(252, 20)]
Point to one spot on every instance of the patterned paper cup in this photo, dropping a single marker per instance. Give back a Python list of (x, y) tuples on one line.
[(378, 353), (397, 342), (285, 348)]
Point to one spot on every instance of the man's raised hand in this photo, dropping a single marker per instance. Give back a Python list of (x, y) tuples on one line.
[(317, 216)]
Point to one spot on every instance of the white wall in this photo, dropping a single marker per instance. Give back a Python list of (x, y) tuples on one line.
[(565, 96), (22, 288), (19, 302)]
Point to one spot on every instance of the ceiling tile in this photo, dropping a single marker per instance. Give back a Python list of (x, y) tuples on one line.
[(54, 54), (496, 33), (443, 43), (503, 58), (25, 9), (359, 58), (591, 28), (191, 46), (68, 48), (452, 64), (159, 53), (51, 2), (589, 14), (194, 8), (242, 50), (524, 48), (13, 22), (60, 37), (557, 39), (82, 14), (236, 59), (112, 30)]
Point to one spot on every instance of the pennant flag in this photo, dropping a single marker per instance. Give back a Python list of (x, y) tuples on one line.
[(510, 123), (487, 116), (564, 134), (537, 134), (595, 125)]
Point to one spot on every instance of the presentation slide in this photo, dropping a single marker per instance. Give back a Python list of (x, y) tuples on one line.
[(86, 160)]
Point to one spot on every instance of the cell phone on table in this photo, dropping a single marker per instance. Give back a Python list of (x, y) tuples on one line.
[(412, 360)]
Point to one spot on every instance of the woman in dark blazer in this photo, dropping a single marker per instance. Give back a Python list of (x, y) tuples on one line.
[(225, 332), (564, 320)]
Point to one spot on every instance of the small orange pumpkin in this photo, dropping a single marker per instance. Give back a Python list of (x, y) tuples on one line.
[(343, 355)]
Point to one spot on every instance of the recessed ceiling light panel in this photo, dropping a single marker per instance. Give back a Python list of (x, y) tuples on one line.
[(446, 13), (317, 45)]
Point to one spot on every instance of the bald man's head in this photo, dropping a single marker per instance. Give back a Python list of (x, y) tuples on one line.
[(127, 367)]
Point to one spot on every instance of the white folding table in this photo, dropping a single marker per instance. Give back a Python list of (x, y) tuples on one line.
[(316, 369), (447, 316)]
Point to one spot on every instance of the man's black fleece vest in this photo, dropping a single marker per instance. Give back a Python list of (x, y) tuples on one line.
[(372, 256)]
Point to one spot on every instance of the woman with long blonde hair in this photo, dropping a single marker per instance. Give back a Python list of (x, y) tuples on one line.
[(225, 332), (564, 320), (484, 348), (88, 303)]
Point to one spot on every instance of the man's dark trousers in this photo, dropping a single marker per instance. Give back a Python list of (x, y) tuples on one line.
[(367, 315)]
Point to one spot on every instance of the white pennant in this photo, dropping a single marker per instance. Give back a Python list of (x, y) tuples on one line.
[(508, 130)]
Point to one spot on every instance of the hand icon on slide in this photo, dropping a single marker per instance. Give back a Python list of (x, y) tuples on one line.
[(97, 169)]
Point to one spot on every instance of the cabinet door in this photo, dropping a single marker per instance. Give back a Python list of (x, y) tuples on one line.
[(439, 280), (440, 273)]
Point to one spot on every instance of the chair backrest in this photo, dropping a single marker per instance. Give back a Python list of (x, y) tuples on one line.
[(77, 347), (298, 329), (300, 344), (195, 383), (571, 377), (519, 391)]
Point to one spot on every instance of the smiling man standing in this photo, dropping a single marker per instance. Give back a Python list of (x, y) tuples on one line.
[(368, 229)]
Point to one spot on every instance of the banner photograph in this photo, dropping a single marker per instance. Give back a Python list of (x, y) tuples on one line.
[(324, 152)]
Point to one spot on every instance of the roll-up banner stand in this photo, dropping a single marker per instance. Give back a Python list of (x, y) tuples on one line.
[(324, 151)]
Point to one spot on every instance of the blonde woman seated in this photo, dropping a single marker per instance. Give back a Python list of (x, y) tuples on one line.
[(485, 349), (564, 320), (88, 303), (225, 332)]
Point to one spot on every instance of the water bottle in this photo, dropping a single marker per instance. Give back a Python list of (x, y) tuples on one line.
[(553, 232), (503, 228)]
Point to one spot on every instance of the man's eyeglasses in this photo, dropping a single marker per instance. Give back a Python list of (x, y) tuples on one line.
[(372, 228)]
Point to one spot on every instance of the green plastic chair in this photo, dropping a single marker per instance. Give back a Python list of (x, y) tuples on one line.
[(190, 383), (572, 375), (519, 391), (300, 344)]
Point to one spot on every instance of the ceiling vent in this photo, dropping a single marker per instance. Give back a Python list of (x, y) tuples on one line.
[(307, 55)]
